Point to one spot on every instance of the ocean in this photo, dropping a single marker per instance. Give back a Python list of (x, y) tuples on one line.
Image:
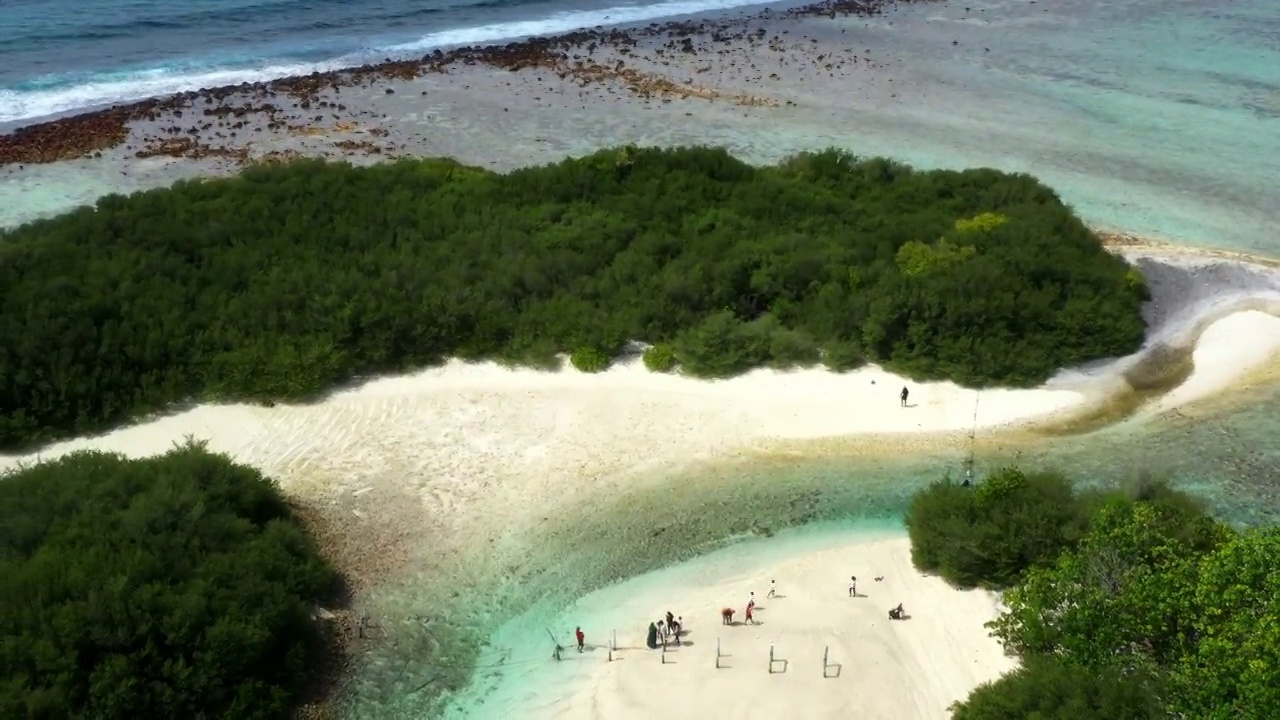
[(70, 54), (1157, 117)]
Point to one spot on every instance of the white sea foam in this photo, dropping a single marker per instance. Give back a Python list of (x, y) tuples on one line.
[(106, 89)]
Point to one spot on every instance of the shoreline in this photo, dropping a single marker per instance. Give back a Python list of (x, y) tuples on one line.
[(875, 668), (764, 83), (471, 506), (463, 493), (89, 132), (1128, 244), (461, 441)]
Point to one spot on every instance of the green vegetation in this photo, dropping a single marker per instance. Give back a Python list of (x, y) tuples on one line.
[(589, 360), (285, 280), (1121, 604), (660, 358), (1046, 689), (176, 587), (990, 534)]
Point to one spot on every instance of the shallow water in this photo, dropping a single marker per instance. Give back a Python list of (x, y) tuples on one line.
[(1222, 450), (1158, 117)]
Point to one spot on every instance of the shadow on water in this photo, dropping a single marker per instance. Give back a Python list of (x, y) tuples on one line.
[(1162, 369)]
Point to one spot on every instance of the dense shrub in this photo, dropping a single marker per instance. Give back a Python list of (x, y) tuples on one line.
[(991, 533), (660, 358), (589, 360), (288, 279), (1046, 689), (1151, 608), (842, 356), (173, 587), (1129, 545), (724, 344)]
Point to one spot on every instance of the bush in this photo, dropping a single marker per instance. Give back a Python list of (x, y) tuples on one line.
[(843, 356), (723, 345), (589, 360), (1154, 610), (171, 587), (1046, 689), (288, 279), (660, 358), (792, 348), (991, 533)]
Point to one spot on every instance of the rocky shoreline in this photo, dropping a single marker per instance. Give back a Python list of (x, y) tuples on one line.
[(181, 123)]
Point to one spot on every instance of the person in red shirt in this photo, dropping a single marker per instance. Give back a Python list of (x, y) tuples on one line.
[(582, 639)]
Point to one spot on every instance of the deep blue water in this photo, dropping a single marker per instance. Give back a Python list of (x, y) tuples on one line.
[(59, 55)]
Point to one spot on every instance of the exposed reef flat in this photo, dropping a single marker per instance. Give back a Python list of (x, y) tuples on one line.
[(231, 122)]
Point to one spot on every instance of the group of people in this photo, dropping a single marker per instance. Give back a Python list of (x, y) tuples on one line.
[(726, 614), (669, 627), (672, 626)]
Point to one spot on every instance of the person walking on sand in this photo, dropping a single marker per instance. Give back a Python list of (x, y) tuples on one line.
[(750, 619), (773, 589), (751, 602), (671, 619), (853, 586), (582, 638), (903, 395)]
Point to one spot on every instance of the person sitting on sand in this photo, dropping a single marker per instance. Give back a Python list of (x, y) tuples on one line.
[(897, 613)]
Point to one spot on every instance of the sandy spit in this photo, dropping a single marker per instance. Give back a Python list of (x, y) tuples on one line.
[(875, 667)]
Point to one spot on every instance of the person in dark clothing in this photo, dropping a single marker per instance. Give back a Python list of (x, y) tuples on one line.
[(903, 396)]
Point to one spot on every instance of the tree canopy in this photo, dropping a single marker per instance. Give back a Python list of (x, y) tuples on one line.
[(1147, 607), (280, 282), (991, 533), (172, 587), (1046, 689)]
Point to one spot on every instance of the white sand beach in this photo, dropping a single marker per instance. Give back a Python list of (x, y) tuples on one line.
[(1229, 350), (875, 668), (465, 422), (464, 453), (450, 495), (428, 467), (469, 420), (480, 441)]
